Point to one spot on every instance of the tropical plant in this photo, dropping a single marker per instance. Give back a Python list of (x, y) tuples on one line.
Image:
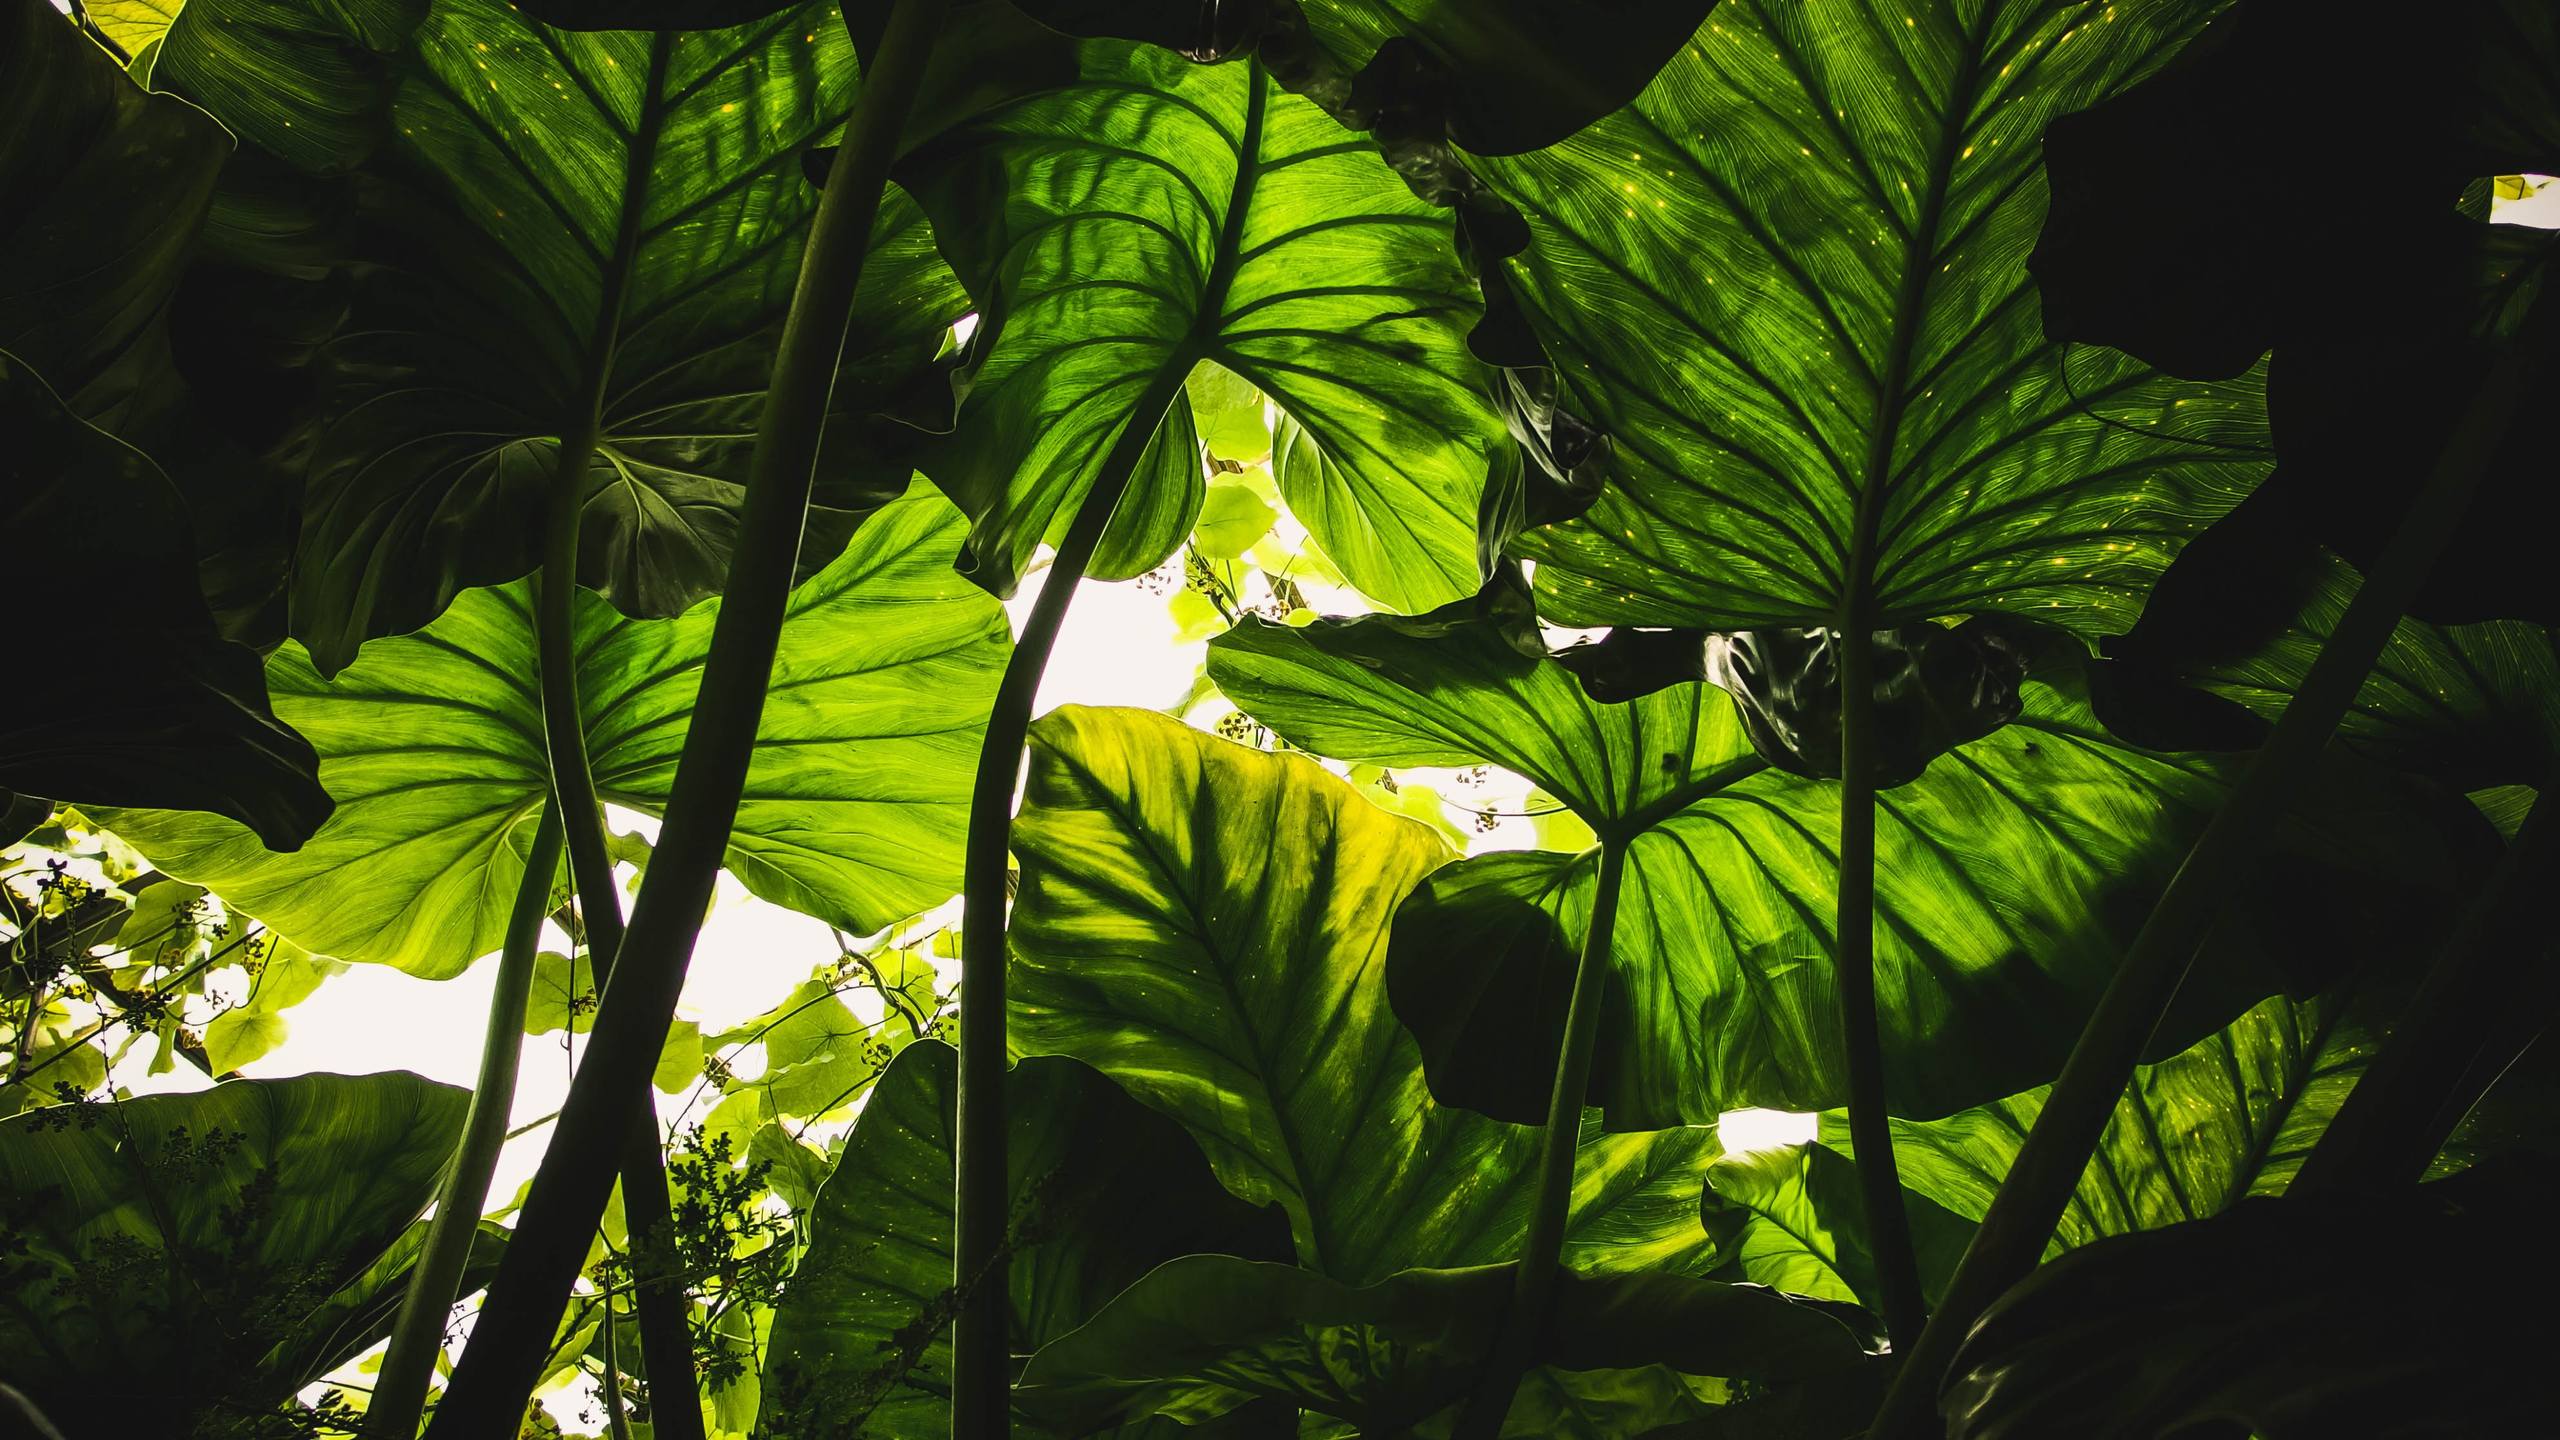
[(1874, 564)]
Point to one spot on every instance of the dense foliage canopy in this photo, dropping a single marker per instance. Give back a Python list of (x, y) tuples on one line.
[(1959, 573)]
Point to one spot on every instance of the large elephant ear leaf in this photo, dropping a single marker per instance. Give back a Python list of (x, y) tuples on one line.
[(1206, 924), (161, 1247), (1102, 1191), (1158, 214), (433, 745), (2010, 875), (1788, 282), (558, 233), (147, 705), (103, 187)]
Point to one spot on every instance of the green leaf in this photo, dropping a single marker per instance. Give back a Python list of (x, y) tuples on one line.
[(1231, 519), (1792, 1218), (284, 975), (433, 744), (1229, 414), (1204, 1334), (236, 1037), (149, 706), (679, 1059), (1788, 283), (552, 226), (818, 1055), (1206, 924), (162, 1246), (134, 24), (563, 994), (103, 187), (2009, 878), (1103, 1190), (1157, 214)]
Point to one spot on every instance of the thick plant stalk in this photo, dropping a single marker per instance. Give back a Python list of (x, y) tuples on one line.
[(1854, 973), (981, 1358), (504, 1360), (400, 1392), (1533, 1284), (2066, 1131), (2399, 1115)]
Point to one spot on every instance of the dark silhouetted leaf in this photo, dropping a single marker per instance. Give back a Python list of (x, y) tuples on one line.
[(1496, 76), (2272, 1319), (2380, 330), (147, 705)]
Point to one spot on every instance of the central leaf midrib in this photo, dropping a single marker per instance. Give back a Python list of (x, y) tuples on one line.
[(1857, 608), (613, 291)]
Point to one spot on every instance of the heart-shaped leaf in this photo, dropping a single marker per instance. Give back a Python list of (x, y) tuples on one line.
[(103, 187), (1788, 284), (552, 231), (433, 745), (1206, 924), (148, 706), (1155, 215)]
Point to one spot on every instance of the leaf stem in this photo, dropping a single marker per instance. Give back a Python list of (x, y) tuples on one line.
[(504, 1359), (1854, 978), (2066, 1131), (1542, 1250), (417, 1337), (659, 1304), (981, 1354), (2467, 1012)]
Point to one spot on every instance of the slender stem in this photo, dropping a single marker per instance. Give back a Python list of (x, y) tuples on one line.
[(610, 1392), (2398, 1116), (504, 1359), (1533, 1283), (981, 1356), (2066, 1131), (660, 1304), (400, 1395), (1854, 976)]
